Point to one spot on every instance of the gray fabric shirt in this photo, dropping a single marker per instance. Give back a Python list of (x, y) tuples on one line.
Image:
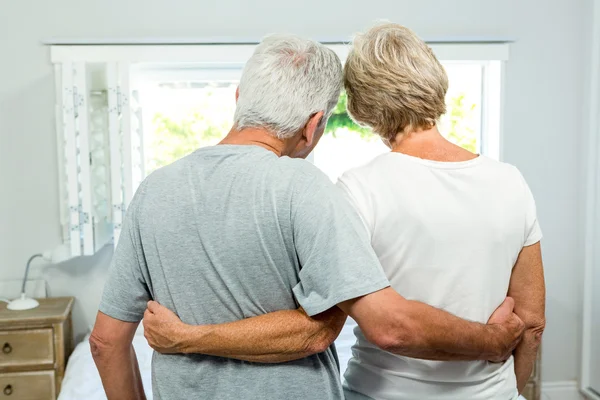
[(231, 232)]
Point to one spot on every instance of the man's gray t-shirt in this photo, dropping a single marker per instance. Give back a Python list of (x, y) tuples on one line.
[(231, 232)]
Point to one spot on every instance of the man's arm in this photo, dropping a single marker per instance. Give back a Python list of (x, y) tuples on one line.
[(528, 289), (417, 330), (408, 328), (271, 338), (115, 358)]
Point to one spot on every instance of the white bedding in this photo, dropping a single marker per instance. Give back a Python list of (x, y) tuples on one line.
[(82, 381)]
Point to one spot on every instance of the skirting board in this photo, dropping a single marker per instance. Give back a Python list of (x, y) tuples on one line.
[(562, 390)]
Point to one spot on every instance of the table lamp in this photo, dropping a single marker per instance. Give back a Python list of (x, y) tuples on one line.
[(60, 254)]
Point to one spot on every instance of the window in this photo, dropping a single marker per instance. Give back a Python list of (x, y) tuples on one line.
[(183, 116), (183, 112), (134, 109)]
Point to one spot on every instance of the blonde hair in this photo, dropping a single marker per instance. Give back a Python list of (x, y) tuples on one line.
[(394, 82)]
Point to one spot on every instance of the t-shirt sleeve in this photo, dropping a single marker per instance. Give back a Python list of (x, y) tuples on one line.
[(337, 262), (126, 290), (533, 232)]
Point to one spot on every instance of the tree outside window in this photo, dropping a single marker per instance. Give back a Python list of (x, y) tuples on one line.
[(207, 119)]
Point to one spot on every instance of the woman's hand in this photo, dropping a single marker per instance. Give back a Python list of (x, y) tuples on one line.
[(163, 330)]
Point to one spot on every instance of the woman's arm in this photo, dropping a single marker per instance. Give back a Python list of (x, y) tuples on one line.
[(528, 289), (270, 338)]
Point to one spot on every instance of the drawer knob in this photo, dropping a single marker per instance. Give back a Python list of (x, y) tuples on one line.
[(7, 348), (8, 390)]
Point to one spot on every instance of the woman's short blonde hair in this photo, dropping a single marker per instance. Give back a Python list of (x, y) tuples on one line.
[(394, 82)]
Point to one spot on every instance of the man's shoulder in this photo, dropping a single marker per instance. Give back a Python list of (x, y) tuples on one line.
[(303, 172), (282, 173), (169, 177), (165, 179), (158, 180)]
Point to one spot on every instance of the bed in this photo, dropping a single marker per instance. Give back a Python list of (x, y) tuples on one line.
[(82, 381)]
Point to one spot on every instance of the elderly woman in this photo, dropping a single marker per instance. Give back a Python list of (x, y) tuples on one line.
[(452, 229)]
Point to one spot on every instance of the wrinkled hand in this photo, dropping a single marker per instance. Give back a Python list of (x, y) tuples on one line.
[(163, 330), (510, 329)]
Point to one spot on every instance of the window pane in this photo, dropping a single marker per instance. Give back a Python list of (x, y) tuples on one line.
[(462, 122), (345, 145), (181, 117)]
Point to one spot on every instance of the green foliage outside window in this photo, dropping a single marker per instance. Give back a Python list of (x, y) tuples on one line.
[(457, 124), (174, 139), (341, 120)]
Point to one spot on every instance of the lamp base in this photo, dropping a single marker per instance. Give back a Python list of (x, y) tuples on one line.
[(23, 303)]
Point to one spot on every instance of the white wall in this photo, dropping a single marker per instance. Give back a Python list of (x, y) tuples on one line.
[(544, 96)]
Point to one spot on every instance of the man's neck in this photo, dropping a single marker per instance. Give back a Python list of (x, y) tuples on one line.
[(257, 137)]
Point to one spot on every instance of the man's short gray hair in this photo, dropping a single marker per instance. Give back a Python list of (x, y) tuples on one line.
[(286, 81)]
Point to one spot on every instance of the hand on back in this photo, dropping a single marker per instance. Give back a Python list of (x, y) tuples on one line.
[(162, 328), (510, 327)]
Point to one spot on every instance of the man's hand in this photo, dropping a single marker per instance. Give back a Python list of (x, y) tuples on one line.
[(163, 329), (510, 329)]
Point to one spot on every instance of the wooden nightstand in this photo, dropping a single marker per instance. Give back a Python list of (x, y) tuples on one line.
[(34, 348)]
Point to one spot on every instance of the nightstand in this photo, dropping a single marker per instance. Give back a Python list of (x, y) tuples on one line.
[(34, 348)]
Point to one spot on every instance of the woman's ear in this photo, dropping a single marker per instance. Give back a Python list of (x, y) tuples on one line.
[(237, 94)]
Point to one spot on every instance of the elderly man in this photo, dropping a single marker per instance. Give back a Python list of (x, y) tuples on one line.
[(242, 229)]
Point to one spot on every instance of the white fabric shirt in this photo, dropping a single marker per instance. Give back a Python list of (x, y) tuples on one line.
[(447, 234)]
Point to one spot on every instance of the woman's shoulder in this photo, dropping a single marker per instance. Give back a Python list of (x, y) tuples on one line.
[(505, 169), (366, 170)]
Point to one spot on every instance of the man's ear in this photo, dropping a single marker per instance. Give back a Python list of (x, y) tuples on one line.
[(312, 126), (237, 94)]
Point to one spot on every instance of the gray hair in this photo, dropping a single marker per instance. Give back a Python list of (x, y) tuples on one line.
[(286, 81)]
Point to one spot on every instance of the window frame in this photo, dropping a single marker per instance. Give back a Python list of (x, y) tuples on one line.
[(237, 54), (123, 62), (589, 384)]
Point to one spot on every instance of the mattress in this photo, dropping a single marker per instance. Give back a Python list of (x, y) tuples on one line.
[(82, 381)]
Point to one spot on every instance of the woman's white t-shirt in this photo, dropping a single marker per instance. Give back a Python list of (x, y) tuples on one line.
[(447, 234)]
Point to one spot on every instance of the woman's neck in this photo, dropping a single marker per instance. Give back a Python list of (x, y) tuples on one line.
[(430, 145)]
